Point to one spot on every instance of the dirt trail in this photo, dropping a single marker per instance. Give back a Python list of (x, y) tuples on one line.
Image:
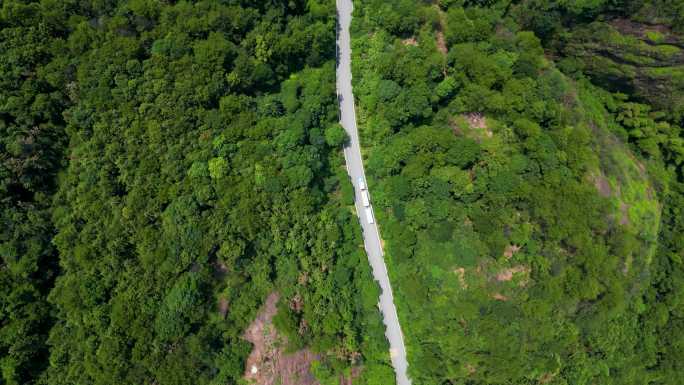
[(441, 41)]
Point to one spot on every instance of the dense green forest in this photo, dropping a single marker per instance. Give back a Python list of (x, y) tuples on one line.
[(164, 166), (525, 162)]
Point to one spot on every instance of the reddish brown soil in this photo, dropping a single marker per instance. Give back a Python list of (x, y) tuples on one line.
[(510, 251), (441, 43), (274, 366), (499, 297), (477, 120), (602, 185), (223, 307), (507, 274)]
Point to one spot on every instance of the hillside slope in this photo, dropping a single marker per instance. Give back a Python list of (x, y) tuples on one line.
[(521, 206)]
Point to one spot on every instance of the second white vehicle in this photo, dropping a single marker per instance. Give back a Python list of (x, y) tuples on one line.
[(364, 198), (369, 215)]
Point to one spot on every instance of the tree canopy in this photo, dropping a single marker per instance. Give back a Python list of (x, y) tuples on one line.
[(163, 160), (526, 197), (167, 166)]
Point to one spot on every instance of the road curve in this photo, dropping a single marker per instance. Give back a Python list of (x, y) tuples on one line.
[(352, 155)]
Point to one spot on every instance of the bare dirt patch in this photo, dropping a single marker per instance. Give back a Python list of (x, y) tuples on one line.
[(223, 307), (506, 275), (546, 378), (499, 297), (602, 184), (439, 32), (410, 41), (510, 251), (268, 364), (473, 125), (478, 121), (297, 303), (303, 278), (441, 43), (460, 272)]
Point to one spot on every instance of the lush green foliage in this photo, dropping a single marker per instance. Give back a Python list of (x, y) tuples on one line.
[(31, 152), (164, 166), (169, 158), (530, 217)]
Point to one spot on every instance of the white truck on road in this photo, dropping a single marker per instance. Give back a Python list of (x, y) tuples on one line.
[(369, 215), (354, 162), (364, 198), (364, 195), (362, 184)]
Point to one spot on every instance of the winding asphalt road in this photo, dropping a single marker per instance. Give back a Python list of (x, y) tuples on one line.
[(352, 155)]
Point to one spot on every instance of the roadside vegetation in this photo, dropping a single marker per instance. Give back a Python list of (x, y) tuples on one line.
[(525, 162)]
